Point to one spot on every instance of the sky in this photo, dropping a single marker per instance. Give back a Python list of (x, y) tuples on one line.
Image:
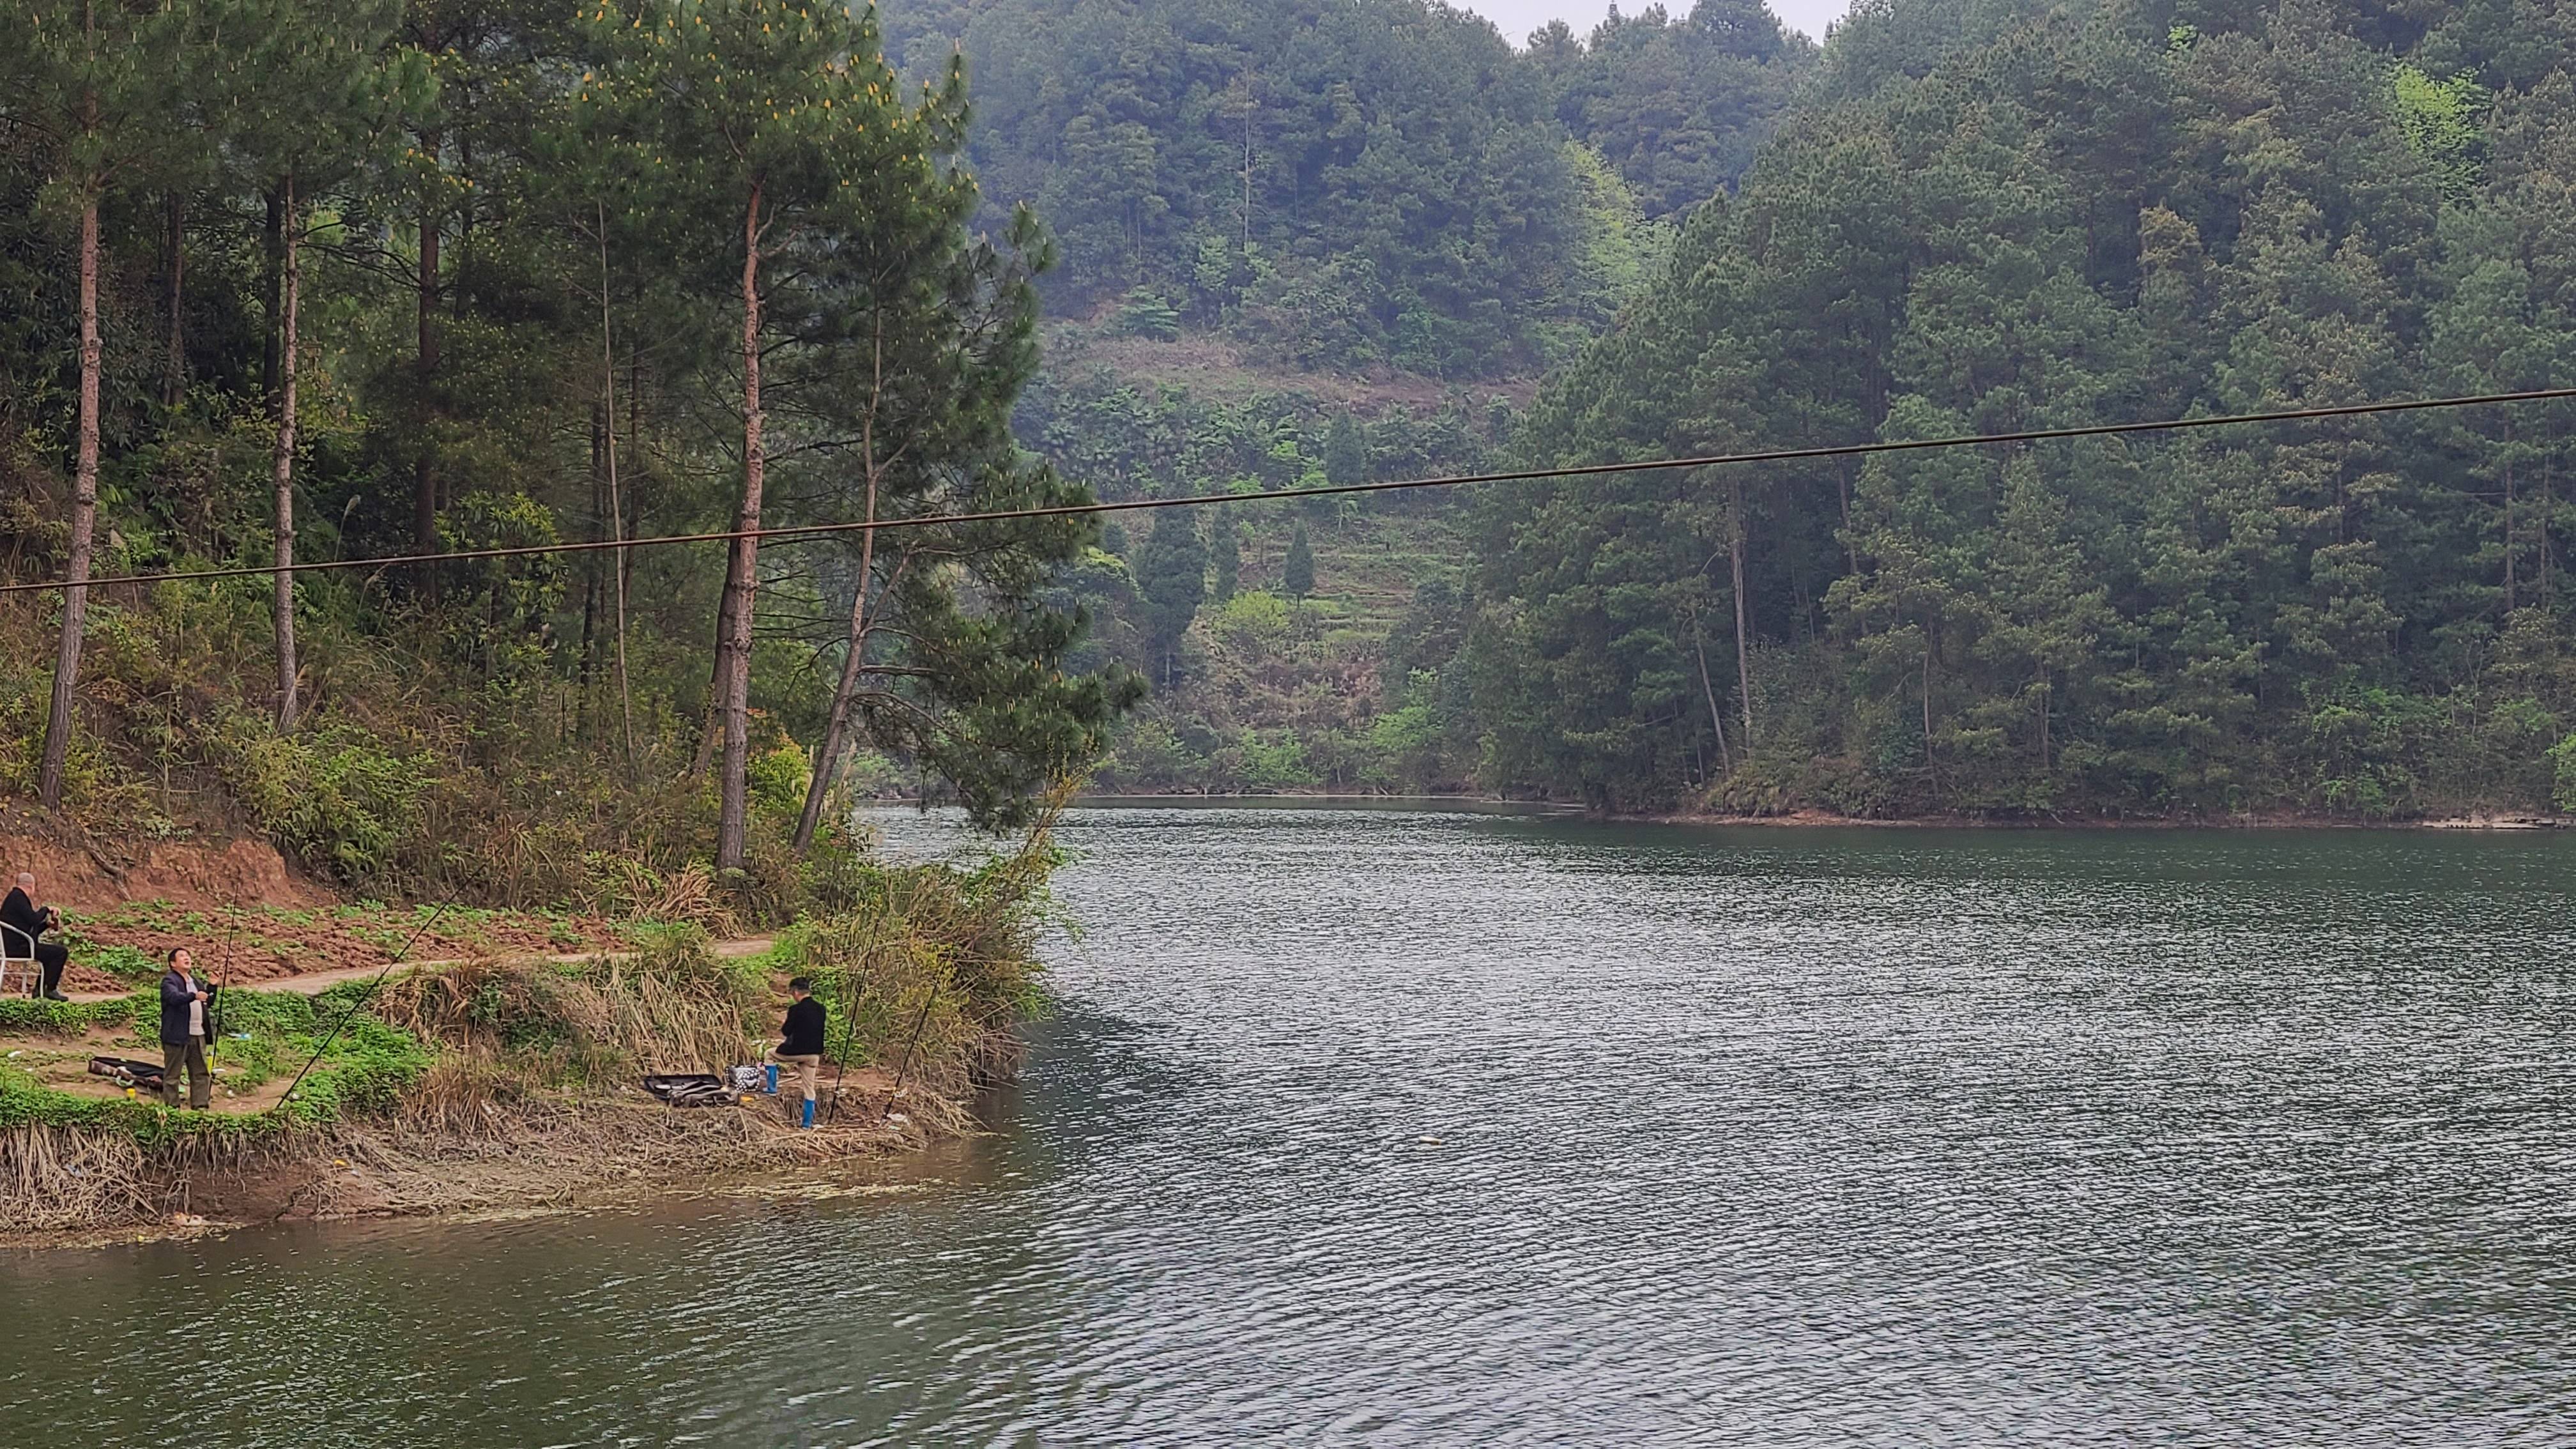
[(1517, 18)]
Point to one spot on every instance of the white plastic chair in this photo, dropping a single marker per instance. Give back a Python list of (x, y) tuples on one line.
[(12, 941)]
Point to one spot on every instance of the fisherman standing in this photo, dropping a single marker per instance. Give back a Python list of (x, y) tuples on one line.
[(20, 912), (185, 1002), (801, 1040)]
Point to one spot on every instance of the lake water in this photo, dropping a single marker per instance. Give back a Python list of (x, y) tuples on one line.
[(1389, 1127)]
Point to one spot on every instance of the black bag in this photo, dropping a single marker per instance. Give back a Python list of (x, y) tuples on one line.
[(690, 1089), (125, 1071)]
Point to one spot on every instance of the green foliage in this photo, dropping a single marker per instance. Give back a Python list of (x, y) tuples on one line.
[(514, 316), (1146, 314), (2440, 120), (332, 796), (125, 963), (926, 967), (1347, 188), (2563, 756), (779, 778), (1171, 572), (1225, 561), (1346, 458)]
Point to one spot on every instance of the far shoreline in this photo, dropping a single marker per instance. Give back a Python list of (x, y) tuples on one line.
[(1819, 819)]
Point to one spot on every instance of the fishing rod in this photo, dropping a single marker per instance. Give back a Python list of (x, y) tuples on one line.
[(215, 1007), (849, 1034), (362, 998), (905, 1065)]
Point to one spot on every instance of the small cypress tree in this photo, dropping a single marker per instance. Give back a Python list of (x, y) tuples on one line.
[(1297, 576), (1171, 572), (1346, 457), (1226, 563)]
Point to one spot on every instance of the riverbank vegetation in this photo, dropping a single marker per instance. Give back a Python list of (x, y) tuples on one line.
[(513, 1080)]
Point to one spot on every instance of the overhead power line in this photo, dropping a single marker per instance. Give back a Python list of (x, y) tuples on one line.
[(1522, 475)]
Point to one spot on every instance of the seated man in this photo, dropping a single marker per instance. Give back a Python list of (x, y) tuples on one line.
[(20, 910)]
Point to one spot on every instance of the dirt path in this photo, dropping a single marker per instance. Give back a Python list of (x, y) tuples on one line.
[(314, 983)]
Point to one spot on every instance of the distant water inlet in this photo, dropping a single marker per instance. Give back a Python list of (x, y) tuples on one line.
[(1442, 1128)]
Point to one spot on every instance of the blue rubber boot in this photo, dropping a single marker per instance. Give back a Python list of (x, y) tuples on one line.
[(769, 1078), (809, 1113)]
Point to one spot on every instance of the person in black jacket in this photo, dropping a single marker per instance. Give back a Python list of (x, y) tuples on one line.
[(801, 1039), (20, 912), (186, 1007)]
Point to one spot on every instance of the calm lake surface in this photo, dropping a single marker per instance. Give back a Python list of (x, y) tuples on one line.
[(1389, 1127)]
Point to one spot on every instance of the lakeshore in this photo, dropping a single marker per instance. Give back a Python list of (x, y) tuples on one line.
[(1505, 805), (372, 1061)]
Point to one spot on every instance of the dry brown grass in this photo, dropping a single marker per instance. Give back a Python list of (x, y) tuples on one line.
[(506, 1028)]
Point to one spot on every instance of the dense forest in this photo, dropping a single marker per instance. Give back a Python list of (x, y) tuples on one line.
[(313, 280), (296, 281), (1994, 216), (1380, 184)]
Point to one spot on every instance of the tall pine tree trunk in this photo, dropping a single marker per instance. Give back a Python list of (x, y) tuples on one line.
[(734, 664), (67, 656), (616, 505), (836, 726), (283, 598), (174, 363), (273, 248), (1716, 716), (424, 466), (1743, 643)]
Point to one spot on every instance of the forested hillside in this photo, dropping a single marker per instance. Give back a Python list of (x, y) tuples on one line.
[(1309, 242), (2007, 215), (358, 280), (1352, 186)]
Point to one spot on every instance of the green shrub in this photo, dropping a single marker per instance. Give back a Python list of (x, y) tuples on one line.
[(335, 798)]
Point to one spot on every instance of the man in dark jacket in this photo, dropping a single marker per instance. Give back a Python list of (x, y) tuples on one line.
[(28, 921), (185, 1005), (801, 1039)]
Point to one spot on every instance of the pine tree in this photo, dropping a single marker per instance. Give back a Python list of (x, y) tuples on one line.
[(761, 113), (99, 83), (1297, 574), (310, 101)]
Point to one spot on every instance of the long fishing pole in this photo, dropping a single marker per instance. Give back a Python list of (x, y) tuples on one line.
[(215, 1008), (849, 1034), (905, 1065), (362, 998)]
